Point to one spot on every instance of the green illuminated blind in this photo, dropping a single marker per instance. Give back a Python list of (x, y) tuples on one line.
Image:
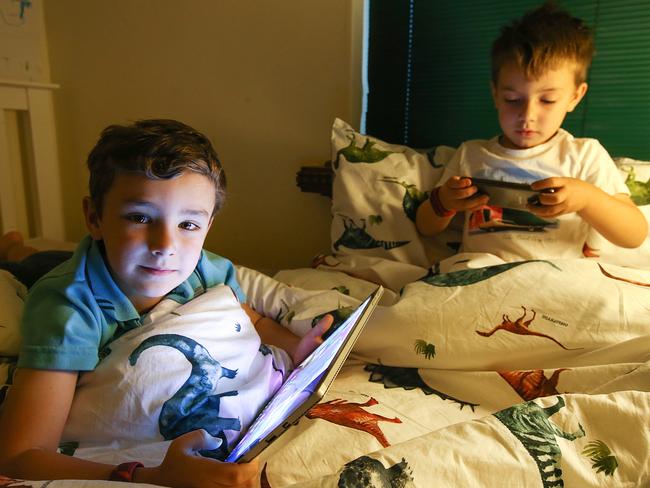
[(429, 71)]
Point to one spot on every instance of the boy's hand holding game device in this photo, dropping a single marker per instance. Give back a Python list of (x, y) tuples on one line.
[(460, 194), (561, 195)]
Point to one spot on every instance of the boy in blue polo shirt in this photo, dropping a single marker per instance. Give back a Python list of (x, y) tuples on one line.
[(155, 187)]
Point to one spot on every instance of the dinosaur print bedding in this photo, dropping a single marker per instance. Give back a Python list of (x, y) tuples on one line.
[(476, 373)]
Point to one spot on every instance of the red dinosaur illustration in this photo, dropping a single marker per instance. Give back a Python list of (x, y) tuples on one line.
[(532, 384), (10, 482), (521, 327), (352, 415), (321, 260), (264, 481), (609, 275)]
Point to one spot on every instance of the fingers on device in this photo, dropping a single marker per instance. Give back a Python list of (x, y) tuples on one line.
[(506, 194), (305, 386)]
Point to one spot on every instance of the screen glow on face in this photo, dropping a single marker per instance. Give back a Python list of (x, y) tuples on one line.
[(300, 384)]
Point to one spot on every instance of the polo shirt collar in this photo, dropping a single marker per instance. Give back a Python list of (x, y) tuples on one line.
[(109, 296)]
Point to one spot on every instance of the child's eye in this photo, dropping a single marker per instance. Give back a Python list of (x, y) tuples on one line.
[(548, 102), (189, 226), (511, 100), (138, 218)]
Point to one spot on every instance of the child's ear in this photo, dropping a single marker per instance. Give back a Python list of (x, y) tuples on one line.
[(92, 219), (493, 89), (579, 94)]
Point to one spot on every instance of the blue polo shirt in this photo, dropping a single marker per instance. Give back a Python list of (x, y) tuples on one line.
[(77, 308)]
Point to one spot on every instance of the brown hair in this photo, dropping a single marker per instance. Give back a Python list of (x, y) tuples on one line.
[(157, 149), (543, 39)]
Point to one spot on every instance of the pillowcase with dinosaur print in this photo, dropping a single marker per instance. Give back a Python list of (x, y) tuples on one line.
[(376, 192)]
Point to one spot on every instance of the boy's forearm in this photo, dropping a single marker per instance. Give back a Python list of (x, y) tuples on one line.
[(617, 219), (271, 332), (427, 222), (41, 464)]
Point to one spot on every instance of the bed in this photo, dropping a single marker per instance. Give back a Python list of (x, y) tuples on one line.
[(471, 372)]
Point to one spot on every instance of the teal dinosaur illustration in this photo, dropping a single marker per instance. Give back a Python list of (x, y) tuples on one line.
[(375, 219), (355, 237), (412, 196), (340, 314), (366, 472), (364, 154), (601, 457), (287, 314), (466, 277), (640, 192), (194, 406), (11, 370), (425, 348), (430, 155), (68, 448), (342, 289), (408, 379), (531, 425)]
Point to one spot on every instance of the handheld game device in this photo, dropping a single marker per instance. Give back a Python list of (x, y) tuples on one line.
[(507, 194)]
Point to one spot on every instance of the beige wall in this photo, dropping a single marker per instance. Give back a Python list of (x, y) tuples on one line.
[(263, 79)]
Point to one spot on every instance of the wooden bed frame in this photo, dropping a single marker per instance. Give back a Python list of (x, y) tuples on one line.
[(316, 179), (30, 186)]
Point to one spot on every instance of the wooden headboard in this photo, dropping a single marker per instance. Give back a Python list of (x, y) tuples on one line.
[(316, 179), (30, 185)]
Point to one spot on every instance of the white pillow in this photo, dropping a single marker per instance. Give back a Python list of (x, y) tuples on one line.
[(12, 296), (377, 188), (637, 176)]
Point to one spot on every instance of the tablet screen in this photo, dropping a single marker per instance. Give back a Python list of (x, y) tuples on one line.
[(302, 383)]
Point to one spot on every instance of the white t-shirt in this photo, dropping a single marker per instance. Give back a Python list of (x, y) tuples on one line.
[(516, 235)]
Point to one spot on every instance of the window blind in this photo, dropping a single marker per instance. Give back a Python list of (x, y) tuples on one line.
[(428, 72)]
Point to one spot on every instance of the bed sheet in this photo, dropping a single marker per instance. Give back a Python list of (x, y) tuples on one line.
[(514, 374), (511, 374)]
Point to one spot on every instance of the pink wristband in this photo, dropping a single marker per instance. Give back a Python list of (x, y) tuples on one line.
[(436, 204), (124, 471)]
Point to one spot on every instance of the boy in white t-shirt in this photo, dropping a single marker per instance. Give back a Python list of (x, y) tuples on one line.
[(539, 68)]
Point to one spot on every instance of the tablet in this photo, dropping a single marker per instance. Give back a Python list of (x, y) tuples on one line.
[(305, 386), (506, 194)]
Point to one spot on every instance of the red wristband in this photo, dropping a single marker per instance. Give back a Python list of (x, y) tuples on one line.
[(436, 204), (124, 471)]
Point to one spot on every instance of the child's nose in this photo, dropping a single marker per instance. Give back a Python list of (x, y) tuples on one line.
[(161, 241), (528, 111)]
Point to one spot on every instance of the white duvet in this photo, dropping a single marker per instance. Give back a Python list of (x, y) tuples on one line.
[(531, 374)]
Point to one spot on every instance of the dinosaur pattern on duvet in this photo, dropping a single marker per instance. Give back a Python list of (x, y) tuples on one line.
[(352, 415), (194, 406), (521, 327), (531, 425), (366, 472), (466, 277), (356, 237), (408, 379)]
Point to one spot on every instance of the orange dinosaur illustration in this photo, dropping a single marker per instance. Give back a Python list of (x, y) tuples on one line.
[(322, 260), (520, 327), (352, 415), (609, 275), (532, 384), (10, 482), (264, 481)]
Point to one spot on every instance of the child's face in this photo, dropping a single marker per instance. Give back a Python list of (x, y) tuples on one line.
[(153, 232), (532, 110)]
